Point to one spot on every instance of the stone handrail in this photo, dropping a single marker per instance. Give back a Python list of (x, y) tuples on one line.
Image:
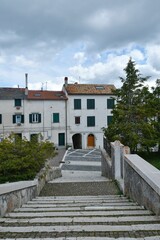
[(14, 195), (136, 178)]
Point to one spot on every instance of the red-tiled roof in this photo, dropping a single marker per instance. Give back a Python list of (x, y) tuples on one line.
[(89, 89), (46, 95)]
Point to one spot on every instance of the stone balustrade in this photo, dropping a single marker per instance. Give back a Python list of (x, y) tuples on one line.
[(136, 178), (14, 195)]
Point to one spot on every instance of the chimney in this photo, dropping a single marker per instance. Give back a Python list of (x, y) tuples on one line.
[(26, 78), (65, 81), (26, 88)]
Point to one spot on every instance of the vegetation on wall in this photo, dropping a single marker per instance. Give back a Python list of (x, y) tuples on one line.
[(136, 115), (21, 159)]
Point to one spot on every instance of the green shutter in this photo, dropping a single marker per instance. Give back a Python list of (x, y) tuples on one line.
[(109, 119), (0, 118), (56, 117), (77, 103), (22, 118), (39, 118), (14, 118), (90, 103), (91, 121), (110, 103), (30, 118), (18, 102)]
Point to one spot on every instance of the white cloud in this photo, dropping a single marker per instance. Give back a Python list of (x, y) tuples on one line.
[(137, 55), (23, 61), (153, 56), (80, 57)]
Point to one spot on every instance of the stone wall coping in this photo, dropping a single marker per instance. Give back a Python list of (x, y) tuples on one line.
[(148, 172), (16, 186)]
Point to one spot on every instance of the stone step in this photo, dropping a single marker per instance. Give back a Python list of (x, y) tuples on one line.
[(83, 220), (58, 218)]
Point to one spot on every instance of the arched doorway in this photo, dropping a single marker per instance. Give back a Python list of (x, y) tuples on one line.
[(90, 141), (77, 141)]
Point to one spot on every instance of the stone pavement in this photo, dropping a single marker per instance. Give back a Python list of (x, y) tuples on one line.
[(80, 206)]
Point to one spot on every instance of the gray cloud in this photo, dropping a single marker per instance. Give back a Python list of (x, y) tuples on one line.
[(35, 31)]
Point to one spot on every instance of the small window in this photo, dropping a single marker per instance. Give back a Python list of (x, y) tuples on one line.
[(90, 103), (17, 102), (56, 117), (18, 118), (110, 103), (77, 103), (90, 121), (35, 118), (77, 120), (100, 87), (109, 119), (0, 118)]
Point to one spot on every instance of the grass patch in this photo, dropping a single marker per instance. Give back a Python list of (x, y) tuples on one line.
[(152, 157)]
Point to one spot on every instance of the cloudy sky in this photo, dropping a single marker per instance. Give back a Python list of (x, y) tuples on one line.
[(90, 41)]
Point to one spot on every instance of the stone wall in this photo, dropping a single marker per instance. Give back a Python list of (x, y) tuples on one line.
[(106, 165), (142, 182), (14, 195), (136, 178)]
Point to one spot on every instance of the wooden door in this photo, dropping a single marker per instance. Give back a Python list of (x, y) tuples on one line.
[(91, 141)]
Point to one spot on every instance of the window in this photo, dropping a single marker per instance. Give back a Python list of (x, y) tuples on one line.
[(110, 103), (90, 121), (90, 103), (18, 118), (0, 118), (35, 118), (109, 119), (77, 120), (77, 103), (100, 87), (56, 117), (17, 102)]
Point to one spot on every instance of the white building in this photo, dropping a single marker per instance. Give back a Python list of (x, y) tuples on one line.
[(30, 112), (89, 108), (73, 117)]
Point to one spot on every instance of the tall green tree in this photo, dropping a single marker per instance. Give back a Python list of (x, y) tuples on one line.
[(131, 116), (156, 107)]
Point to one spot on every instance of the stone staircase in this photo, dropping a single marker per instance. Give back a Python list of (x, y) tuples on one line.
[(80, 217), (81, 205)]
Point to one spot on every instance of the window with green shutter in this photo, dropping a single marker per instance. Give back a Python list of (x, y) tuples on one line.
[(110, 103), (55, 117), (109, 119), (90, 121), (34, 118), (18, 102), (90, 103), (18, 118), (0, 118), (77, 103)]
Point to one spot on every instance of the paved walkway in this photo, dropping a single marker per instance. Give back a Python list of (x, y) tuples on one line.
[(81, 175)]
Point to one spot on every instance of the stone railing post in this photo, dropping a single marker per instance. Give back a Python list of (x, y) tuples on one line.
[(116, 159)]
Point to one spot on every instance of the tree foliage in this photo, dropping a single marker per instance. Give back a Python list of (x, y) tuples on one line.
[(22, 159), (133, 116)]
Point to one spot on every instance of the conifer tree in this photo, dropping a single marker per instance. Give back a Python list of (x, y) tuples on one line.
[(131, 116)]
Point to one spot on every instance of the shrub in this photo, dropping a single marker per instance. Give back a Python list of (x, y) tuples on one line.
[(21, 159)]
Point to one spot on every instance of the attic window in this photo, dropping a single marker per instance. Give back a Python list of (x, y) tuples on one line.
[(37, 94), (100, 87)]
